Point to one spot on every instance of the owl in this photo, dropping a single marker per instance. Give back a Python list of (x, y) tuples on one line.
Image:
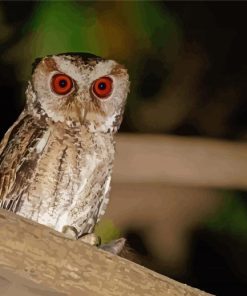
[(56, 160)]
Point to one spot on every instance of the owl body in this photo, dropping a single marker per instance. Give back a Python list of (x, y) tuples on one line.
[(56, 160)]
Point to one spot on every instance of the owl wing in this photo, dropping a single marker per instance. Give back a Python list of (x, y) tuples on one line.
[(19, 154)]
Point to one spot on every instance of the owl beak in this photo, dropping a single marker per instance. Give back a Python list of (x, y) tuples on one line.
[(81, 107), (81, 113)]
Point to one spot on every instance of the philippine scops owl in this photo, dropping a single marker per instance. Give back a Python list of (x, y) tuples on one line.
[(56, 159)]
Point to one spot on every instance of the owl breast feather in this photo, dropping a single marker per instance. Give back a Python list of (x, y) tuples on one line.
[(60, 176)]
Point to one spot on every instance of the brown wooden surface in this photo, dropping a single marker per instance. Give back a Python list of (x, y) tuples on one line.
[(189, 161), (35, 260)]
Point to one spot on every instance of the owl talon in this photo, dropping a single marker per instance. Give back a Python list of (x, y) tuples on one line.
[(70, 232), (91, 239)]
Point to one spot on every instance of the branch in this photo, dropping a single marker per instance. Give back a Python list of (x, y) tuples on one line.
[(180, 161), (35, 258)]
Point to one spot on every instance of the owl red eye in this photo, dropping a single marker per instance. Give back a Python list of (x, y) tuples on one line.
[(102, 87), (61, 84)]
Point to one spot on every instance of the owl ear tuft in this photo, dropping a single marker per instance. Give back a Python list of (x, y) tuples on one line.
[(35, 63)]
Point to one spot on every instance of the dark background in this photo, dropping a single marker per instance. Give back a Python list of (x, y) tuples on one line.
[(188, 69)]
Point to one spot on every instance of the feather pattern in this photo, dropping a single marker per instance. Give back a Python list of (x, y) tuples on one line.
[(18, 161), (56, 160), (56, 175)]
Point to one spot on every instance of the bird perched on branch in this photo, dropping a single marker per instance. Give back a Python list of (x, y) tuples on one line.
[(56, 159)]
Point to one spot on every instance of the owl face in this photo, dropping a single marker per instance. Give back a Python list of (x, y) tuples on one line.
[(80, 88)]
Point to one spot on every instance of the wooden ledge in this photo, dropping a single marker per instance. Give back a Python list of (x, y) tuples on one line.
[(35, 260)]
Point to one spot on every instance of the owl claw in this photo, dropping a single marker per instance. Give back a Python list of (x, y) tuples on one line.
[(115, 247), (70, 232), (91, 239)]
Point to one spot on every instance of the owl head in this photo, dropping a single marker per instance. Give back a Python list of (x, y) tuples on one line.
[(79, 88)]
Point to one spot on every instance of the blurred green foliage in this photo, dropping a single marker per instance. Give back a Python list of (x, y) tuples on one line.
[(232, 217), (107, 231), (125, 31), (63, 27)]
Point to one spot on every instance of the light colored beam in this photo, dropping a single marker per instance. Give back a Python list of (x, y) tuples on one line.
[(180, 160)]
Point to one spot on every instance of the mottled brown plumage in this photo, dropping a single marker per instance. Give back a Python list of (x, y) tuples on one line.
[(56, 160)]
